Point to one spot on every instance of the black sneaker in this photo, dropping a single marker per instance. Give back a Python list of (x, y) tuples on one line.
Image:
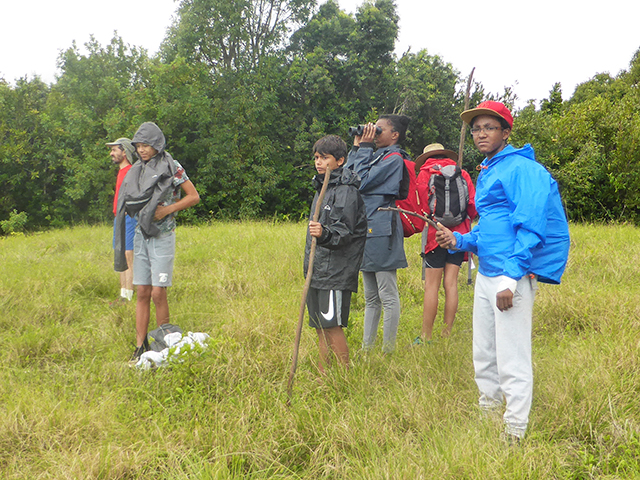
[(137, 353), (511, 439)]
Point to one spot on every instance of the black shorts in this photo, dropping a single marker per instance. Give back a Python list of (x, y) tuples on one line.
[(438, 257), (328, 308)]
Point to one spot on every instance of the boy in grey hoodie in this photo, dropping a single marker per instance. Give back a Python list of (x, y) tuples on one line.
[(151, 194)]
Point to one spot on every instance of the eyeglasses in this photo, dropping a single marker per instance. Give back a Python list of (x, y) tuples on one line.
[(477, 130)]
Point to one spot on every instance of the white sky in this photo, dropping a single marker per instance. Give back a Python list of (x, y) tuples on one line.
[(527, 45)]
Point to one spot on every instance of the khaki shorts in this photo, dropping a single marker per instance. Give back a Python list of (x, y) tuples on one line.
[(153, 259)]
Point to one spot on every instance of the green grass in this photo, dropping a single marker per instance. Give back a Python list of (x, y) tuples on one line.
[(73, 409)]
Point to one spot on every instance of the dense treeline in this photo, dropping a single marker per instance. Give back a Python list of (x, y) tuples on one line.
[(242, 89)]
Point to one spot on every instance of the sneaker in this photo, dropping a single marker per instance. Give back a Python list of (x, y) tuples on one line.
[(511, 439), (137, 353)]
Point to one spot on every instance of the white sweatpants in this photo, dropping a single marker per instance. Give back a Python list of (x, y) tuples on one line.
[(502, 351)]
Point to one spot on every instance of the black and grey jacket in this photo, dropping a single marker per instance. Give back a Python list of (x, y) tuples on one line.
[(142, 189), (344, 223)]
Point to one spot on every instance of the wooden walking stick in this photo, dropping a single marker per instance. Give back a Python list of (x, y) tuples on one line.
[(463, 131), (305, 289), (429, 220)]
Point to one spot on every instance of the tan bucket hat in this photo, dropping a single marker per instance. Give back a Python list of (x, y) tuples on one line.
[(432, 150)]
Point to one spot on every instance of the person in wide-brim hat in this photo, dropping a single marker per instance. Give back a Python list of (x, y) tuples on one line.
[(432, 150)]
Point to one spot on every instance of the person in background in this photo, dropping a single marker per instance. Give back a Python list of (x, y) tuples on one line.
[(122, 154), (438, 262)]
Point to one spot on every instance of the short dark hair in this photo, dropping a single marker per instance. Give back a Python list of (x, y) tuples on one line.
[(331, 145), (503, 123), (400, 123)]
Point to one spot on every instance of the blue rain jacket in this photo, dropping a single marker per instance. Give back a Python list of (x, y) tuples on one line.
[(523, 227)]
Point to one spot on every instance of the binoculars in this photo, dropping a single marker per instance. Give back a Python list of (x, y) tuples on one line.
[(359, 130)]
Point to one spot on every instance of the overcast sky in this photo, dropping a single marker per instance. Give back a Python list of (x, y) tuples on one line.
[(526, 45)]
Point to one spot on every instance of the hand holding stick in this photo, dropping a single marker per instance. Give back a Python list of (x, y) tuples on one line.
[(305, 290), (446, 238)]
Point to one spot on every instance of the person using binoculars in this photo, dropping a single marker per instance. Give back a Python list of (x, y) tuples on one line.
[(381, 171)]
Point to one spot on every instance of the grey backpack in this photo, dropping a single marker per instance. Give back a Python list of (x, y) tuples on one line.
[(156, 337), (448, 195)]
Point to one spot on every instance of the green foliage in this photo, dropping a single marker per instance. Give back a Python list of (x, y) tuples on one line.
[(15, 224), (31, 171), (554, 103), (242, 89), (590, 144), (427, 92), (232, 34), (88, 106)]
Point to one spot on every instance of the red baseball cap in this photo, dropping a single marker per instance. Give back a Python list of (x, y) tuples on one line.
[(496, 109)]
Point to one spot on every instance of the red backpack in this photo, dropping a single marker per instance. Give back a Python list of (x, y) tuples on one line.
[(410, 224)]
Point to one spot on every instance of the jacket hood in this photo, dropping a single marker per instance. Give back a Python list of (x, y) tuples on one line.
[(526, 152), (339, 176), (150, 134)]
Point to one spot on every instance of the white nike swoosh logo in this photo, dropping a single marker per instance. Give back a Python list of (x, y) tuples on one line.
[(329, 314)]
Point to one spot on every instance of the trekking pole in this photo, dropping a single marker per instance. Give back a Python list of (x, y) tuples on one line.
[(305, 289), (463, 131)]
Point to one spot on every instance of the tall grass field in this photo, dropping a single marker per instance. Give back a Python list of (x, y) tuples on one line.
[(73, 408)]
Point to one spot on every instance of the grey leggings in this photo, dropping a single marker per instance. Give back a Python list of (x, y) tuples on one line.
[(381, 291)]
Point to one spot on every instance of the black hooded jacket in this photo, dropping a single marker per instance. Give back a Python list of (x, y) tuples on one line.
[(344, 232)]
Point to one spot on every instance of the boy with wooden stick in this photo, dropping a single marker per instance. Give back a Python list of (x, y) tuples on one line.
[(522, 238), (340, 234)]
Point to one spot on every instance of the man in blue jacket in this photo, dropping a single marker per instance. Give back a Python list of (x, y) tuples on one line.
[(522, 237)]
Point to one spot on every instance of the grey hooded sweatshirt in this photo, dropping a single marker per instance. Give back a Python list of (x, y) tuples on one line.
[(143, 188)]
